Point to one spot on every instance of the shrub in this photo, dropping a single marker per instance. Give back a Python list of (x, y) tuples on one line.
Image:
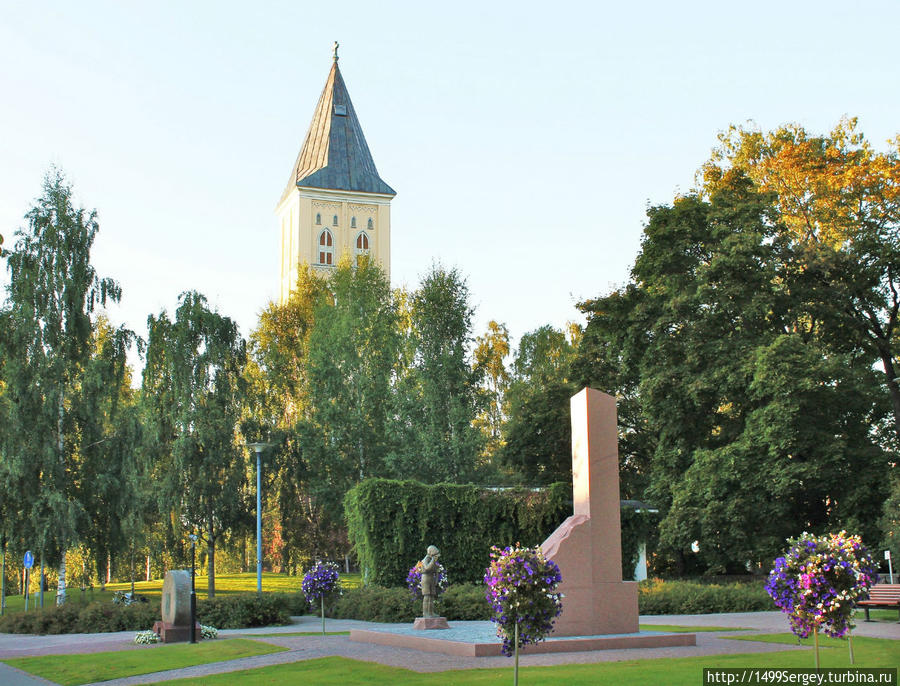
[(293, 603), (374, 604), (76, 618), (658, 597), (463, 602), (241, 611), (378, 604)]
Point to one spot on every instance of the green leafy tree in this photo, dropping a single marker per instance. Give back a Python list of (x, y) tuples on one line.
[(491, 351), (353, 348), (838, 201), (538, 433), (193, 383), (105, 415), (441, 404), (52, 292), (741, 390), (278, 374)]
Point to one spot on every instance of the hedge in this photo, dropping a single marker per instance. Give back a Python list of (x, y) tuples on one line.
[(657, 597), (391, 523), (224, 612), (467, 602)]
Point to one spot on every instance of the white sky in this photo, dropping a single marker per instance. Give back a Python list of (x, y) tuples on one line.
[(525, 140)]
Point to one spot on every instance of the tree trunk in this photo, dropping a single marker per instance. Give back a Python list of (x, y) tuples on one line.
[(211, 568), (60, 446), (132, 569), (148, 568), (887, 361), (3, 580), (61, 583)]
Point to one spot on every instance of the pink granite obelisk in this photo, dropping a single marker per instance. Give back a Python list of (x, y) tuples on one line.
[(588, 546)]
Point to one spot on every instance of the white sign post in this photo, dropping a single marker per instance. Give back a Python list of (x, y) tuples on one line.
[(887, 556)]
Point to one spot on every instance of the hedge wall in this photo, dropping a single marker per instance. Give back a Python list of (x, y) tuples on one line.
[(390, 523)]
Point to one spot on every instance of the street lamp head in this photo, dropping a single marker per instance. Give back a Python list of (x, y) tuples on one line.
[(258, 447), (193, 538)]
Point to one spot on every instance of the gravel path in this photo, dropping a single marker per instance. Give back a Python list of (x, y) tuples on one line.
[(310, 647)]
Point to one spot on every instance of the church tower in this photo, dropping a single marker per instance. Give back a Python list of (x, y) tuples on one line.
[(335, 202)]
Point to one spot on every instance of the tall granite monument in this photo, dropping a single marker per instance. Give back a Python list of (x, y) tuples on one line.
[(588, 546)]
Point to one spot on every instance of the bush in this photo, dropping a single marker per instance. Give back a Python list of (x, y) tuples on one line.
[(465, 602), (658, 597), (378, 604), (242, 611), (76, 618), (373, 604), (294, 604)]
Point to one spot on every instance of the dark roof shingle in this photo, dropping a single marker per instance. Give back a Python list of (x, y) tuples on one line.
[(335, 154)]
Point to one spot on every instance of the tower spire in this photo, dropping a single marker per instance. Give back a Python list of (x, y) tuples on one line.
[(334, 50)]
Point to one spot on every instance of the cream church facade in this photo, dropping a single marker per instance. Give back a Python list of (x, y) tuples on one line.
[(335, 202)]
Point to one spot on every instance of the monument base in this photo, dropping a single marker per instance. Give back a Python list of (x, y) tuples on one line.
[(169, 633), (491, 648), (426, 623)]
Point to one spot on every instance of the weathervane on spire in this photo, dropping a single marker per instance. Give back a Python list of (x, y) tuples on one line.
[(334, 50)]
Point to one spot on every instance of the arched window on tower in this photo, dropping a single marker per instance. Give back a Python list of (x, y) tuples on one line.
[(362, 245), (371, 225), (352, 222), (318, 219), (326, 248), (334, 221)]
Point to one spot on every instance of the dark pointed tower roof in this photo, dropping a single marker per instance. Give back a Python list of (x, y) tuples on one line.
[(335, 154)]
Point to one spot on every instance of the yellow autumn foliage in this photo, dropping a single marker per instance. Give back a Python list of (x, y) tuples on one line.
[(828, 189)]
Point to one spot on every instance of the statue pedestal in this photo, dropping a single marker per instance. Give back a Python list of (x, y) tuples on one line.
[(425, 623), (170, 633)]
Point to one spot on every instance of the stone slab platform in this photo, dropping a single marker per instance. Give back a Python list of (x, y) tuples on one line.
[(467, 645)]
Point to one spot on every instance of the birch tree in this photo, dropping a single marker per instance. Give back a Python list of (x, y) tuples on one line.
[(193, 385), (53, 291)]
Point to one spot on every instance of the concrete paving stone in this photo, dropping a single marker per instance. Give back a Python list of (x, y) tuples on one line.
[(311, 647)]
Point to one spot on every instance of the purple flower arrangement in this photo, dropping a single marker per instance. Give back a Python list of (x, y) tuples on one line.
[(320, 580), (819, 580), (521, 588), (414, 580)]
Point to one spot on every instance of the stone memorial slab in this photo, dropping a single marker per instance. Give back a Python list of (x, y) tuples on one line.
[(588, 546), (176, 608)]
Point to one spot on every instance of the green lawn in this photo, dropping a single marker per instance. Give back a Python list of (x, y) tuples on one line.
[(81, 669), (284, 634), (337, 671), (71, 670), (684, 629)]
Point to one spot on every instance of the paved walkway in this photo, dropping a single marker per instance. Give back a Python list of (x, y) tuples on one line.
[(310, 647)]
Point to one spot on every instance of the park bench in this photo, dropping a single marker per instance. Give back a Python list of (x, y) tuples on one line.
[(882, 595)]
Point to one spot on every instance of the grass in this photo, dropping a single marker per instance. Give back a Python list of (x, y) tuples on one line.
[(284, 634), (226, 584), (71, 670), (791, 639), (684, 629), (338, 671)]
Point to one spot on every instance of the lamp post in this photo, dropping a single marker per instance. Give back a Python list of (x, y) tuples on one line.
[(258, 448), (193, 589)]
